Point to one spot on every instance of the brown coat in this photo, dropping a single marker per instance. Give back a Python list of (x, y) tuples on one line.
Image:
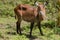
[(29, 13)]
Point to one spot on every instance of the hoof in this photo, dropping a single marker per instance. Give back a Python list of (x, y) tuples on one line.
[(30, 36), (20, 33), (42, 34)]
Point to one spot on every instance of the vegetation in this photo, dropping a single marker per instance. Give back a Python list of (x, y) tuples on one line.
[(8, 27), (8, 31)]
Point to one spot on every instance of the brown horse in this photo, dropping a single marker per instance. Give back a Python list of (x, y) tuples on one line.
[(30, 14)]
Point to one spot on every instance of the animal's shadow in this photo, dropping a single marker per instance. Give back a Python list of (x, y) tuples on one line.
[(27, 35), (11, 33)]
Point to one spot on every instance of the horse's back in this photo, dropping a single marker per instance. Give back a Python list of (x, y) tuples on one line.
[(26, 12)]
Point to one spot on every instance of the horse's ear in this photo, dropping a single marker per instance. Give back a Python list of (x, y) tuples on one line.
[(35, 3), (46, 3)]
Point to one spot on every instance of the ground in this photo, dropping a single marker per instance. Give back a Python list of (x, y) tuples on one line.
[(8, 31)]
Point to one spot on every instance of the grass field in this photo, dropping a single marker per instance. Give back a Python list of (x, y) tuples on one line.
[(8, 31)]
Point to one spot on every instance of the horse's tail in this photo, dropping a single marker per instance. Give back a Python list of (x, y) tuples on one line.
[(15, 13), (15, 16)]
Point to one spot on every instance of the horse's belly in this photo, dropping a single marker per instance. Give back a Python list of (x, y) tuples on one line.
[(28, 17)]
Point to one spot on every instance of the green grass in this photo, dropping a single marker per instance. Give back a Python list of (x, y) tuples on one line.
[(8, 31), (8, 26)]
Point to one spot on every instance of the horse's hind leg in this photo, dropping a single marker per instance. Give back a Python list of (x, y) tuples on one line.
[(39, 26), (31, 27), (18, 26)]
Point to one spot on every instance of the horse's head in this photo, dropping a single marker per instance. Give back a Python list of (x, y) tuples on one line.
[(42, 10)]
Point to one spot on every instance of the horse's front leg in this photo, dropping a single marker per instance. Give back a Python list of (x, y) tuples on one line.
[(39, 26), (18, 28), (31, 27)]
